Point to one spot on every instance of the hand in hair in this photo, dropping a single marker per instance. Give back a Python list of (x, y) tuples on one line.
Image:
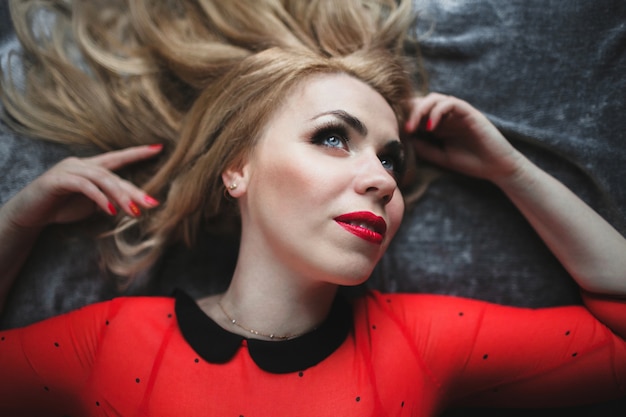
[(70, 191), (463, 139), (74, 188)]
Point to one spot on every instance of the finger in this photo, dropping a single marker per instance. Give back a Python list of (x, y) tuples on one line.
[(124, 194), (438, 111), (117, 159), (76, 184), (133, 199), (421, 109)]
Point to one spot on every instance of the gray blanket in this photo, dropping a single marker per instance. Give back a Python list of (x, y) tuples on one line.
[(550, 74)]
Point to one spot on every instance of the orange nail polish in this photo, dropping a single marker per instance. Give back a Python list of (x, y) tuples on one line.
[(134, 209)]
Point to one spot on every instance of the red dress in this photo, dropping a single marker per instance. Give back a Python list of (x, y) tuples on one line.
[(378, 355)]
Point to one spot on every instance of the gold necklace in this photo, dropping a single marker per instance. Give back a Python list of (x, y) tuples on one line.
[(256, 332)]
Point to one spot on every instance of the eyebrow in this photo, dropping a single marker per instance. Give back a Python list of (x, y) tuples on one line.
[(351, 120), (395, 146)]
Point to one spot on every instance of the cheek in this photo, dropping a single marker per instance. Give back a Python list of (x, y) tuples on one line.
[(285, 183), (395, 211)]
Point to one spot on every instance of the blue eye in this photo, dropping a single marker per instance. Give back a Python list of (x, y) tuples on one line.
[(393, 159), (334, 137), (334, 141), (388, 163)]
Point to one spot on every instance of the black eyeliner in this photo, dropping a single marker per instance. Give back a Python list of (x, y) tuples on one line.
[(326, 129)]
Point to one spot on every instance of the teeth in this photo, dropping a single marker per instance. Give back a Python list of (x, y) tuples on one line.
[(362, 225)]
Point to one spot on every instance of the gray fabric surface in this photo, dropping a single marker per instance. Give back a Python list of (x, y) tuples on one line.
[(549, 73)]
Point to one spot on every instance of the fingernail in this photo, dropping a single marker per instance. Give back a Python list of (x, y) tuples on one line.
[(156, 146), (150, 201), (429, 125), (111, 208), (134, 209)]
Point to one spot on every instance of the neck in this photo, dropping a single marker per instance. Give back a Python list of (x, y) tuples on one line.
[(270, 293), (265, 305), (270, 299)]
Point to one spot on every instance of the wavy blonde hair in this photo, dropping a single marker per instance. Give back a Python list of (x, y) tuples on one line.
[(114, 73), (202, 77)]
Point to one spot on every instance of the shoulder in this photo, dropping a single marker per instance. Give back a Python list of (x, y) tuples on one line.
[(96, 320), (142, 305), (407, 333), (432, 317), (427, 319), (426, 306), (133, 306), (127, 313)]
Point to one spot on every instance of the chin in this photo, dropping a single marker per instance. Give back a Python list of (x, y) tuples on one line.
[(357, 277), (348, 269)]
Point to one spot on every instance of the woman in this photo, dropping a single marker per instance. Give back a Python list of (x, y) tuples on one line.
[(316, 186), (319, 202)]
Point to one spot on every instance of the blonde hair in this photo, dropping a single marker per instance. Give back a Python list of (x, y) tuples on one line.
[(115, 73), (202, 77)]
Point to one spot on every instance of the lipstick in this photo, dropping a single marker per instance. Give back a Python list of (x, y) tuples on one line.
[(364, 224)]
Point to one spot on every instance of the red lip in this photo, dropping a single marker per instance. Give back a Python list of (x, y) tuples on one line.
[(375, 226)]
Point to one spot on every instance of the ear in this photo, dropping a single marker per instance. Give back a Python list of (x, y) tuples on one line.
[(236, 179)]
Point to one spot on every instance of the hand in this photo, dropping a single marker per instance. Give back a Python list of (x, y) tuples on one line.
[(75, 188), (465, 140)]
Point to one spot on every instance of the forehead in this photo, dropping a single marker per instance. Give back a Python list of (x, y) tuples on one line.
[(331, 92)]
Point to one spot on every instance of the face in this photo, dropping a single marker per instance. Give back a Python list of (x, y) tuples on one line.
[(318, 193)]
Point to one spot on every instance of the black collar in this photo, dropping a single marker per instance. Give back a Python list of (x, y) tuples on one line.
[(217, 345)]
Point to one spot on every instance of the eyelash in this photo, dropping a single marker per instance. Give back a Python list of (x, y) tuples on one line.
[(339, 131), (398, 164), (331, 130)]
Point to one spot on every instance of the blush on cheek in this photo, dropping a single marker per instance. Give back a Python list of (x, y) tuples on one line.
[(296, 178)]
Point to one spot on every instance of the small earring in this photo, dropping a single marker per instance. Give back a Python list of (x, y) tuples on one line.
[(232, 186)]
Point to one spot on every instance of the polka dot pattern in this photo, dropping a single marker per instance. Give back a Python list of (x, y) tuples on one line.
[(394, 362)]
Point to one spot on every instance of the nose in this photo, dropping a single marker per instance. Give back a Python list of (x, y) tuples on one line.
[(373, 179)]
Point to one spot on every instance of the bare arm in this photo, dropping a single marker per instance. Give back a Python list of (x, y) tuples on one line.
[(591, 250), (14, 249), (72, 190)]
